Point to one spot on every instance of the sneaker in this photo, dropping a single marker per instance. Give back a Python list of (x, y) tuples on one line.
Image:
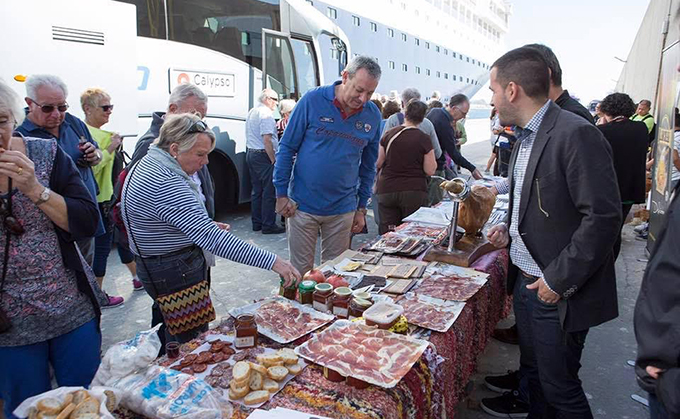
[(509, 405), (641, 228), (503, 383), (114, 301), (137, 284)]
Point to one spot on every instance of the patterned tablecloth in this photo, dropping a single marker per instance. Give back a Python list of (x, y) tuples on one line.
[(435, 384)]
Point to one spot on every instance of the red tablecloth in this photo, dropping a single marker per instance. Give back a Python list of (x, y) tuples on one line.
[(435, 383)]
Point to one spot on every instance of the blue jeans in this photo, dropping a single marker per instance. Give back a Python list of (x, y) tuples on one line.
[(171, 273), (102, 247), (656, 409), (550, 358), (262, 195), (25, 370)]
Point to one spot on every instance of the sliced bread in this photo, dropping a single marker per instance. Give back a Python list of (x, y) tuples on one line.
[(256, 397), (270, 385), (277, 373)]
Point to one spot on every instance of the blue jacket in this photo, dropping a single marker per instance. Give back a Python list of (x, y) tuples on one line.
[(333, 155), (442, 121)]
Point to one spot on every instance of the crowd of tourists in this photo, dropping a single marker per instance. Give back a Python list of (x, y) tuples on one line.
[(67, 197)]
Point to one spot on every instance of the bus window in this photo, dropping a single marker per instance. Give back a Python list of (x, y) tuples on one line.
[(233, 27), (150, 18), (305, 61), (280, 69)]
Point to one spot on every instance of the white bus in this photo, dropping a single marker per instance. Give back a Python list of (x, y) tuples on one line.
[(139, 50)]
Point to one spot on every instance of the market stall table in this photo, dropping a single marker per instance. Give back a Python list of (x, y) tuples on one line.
[(435, 384)]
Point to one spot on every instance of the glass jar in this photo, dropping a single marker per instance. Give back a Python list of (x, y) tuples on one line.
[(363, 295), (323, 297), (357, 307), (332, 375), (306, 292), (341, 299), (289, 292), (246, 331)]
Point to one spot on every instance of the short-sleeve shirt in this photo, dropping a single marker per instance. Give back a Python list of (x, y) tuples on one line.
[(403, 167), (260, 121), (675, 173)]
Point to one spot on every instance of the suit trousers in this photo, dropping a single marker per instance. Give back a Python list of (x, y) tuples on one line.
[(303, 231), (550, 358)]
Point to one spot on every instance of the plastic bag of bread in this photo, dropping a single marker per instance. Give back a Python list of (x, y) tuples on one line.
[(72, 403), (126, 357), (163, 393)]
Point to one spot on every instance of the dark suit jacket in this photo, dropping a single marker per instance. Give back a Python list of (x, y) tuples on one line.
[(570, 216), (142, 147)]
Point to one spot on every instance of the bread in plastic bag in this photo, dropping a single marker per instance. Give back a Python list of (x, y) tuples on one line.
[(98, 393), (126, 357), (163, 393)]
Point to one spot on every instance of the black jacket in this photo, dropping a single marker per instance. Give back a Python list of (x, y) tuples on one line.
[(572, 105), (142, 147), (570, 217), (628, 140), (657, 314), (442, 120)]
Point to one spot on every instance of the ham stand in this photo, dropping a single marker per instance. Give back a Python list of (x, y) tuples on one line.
[(472, 245)]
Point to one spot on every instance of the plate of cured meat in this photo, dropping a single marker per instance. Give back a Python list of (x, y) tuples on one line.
[(450, 286), (422, 231), (430, 313), (370, 354), (283, 320)]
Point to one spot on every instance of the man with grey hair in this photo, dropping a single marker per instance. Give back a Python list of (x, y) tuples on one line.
[(334, 131), (47, 118), (409, 94), (261, 145)]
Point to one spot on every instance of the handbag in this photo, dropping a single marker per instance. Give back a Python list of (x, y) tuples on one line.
[(182, 310)]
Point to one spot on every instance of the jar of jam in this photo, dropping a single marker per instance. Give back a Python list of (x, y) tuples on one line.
[(288, 292), (341, 298), (246, 331), (323, 297), (332, 375), (357, 383), (357, 307), (306, 292)]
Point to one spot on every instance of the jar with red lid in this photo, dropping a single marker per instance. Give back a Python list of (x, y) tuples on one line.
[(323, 297), (341, 299), (246, 331)]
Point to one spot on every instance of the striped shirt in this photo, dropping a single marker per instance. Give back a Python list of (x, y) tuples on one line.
[(519, 254), (165, 216)]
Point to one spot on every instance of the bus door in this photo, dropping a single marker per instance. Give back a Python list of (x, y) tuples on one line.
[(278, 65)]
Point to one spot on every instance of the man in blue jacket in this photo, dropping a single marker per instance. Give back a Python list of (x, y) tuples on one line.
[(334, 133)]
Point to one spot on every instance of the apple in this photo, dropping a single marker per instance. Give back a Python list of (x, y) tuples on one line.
[(314, 275)]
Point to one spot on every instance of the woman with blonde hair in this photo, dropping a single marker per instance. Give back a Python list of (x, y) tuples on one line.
[(169, 228), (96, 104)]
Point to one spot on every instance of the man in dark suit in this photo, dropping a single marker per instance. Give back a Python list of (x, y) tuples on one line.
[(565, 213)]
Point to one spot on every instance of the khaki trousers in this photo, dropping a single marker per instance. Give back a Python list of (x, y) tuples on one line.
[(303, 231)]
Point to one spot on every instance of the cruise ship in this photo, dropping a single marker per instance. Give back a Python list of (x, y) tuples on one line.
[(444, 45)]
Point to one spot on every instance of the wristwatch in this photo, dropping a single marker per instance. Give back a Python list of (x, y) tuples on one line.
[(362, 210), (44, 196)]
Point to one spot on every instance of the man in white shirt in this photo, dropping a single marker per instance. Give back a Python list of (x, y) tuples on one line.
[(262, 143)]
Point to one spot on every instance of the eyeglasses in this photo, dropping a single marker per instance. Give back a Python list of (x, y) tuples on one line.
[(275, 99), (107, 108), (198, 126), (50, 108), (461, 111), (10, 223)]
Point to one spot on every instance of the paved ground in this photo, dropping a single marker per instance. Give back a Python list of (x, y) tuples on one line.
[(608, 381)]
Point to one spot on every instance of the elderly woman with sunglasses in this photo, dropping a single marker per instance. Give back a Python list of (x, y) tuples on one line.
[(49, 316), (169, 228)]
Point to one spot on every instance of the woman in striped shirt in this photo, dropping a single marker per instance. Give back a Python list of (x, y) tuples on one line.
[(166, 220)]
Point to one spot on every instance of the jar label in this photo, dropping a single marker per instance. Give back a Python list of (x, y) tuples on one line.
[(244, 342), (320, 307), (340, 311)]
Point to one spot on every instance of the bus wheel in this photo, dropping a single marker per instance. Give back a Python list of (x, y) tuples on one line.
[(224, 174)]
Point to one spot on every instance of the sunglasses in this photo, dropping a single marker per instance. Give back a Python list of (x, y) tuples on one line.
[(10, 223), (198, 126), (107, 108), (50, 108)]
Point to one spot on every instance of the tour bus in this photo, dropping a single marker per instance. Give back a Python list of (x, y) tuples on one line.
[(139, 50)]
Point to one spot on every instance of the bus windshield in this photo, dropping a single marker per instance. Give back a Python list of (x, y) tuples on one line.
[(232, 27)]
